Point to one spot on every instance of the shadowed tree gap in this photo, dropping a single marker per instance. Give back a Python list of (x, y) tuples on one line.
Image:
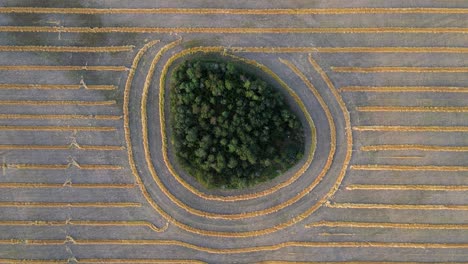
[(230, 128)]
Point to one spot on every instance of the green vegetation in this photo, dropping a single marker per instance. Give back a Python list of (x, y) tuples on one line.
[(231, 129)]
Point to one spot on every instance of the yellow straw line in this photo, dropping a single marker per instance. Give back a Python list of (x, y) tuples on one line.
[(398, 206), (102, 260), (56, 102), (21, 86), (392, 49), (414, 147), (237, 30), (33, 261), (348, 244), (100, 87), (204, 11), (388, 225), (403, 187), (349, 49), (405, 89), (34, 147), (139, 261), (374, 167), (60, 147), (37, 166), (60, 68), (57, 128), (33, 242), (304, 244), (117, 223), (401, 69), (99, 167), (82, 223), (413, 128), (42, 117), (65, 48), (95, 147), (62, 166), (401, 157), (15, 185), (353, 262), (430, 109), (72, 204)]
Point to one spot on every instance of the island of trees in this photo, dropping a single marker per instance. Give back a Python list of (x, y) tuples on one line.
[(230, 128)]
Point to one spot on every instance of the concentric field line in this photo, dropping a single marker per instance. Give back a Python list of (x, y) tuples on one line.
[(56, 103), (200, 194), (62, 147), (413, 128), (348, 49), (138, 180), (37, 166), (167, 162), (58, 128), (69, 222), (68, 204), (400, 69), (408, 187), (72, 49), (304, 244), (217, 233), (405, 89), (33, 261), (254, 213), (383, 167), (33, 86), (353, 262), (427, 109), (298, 174), (401, 157), (417, 226), (47, 116), (62, 166), (414, 147), (61, 68), (240, 30), (448, 207), (348, 129), (139, 261), (24, 185), (234, 11), (102, 261)]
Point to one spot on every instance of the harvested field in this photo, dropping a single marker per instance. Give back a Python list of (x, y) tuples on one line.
[(88, 173)]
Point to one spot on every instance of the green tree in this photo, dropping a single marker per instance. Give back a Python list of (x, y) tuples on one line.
[(230, 128)]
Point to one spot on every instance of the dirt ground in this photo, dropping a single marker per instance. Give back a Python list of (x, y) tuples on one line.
[(88, 177)]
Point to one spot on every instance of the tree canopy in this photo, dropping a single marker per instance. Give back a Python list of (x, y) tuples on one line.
[(230, 128)]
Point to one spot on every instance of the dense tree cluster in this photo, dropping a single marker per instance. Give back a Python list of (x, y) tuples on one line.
[(230, 128)]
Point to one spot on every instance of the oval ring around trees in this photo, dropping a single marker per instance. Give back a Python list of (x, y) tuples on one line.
[(227, 217), (255, 194)]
